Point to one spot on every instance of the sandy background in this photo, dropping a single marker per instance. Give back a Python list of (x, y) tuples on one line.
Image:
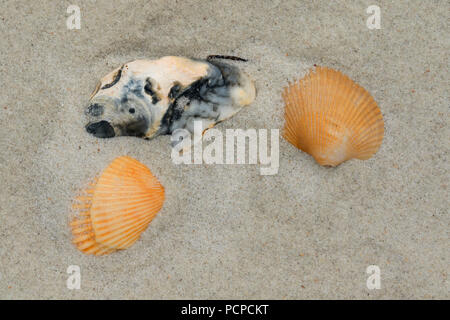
[(225, 231)]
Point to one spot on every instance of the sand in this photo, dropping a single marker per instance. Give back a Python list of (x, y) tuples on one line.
[(226, 231)]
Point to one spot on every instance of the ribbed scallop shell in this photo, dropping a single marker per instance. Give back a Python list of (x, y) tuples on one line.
[(117, 208), (332, 118)]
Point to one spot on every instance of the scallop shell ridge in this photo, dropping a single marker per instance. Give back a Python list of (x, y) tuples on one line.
[(117, 208), (332, 118)]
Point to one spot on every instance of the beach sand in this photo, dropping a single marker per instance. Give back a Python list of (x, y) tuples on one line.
[(225, 231)]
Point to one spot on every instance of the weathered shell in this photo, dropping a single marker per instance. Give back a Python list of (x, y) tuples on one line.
[(147, 98)]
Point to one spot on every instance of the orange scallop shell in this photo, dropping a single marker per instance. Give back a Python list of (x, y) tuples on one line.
[(117, 208), (332, 118)]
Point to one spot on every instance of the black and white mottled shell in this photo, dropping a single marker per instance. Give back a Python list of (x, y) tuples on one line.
[(147, 98)]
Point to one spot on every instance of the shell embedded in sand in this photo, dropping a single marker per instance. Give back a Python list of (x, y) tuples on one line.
[(149, 98), (332, 118), (117, 208)]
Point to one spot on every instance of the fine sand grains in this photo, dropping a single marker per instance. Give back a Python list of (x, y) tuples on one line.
[(225, 231)]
